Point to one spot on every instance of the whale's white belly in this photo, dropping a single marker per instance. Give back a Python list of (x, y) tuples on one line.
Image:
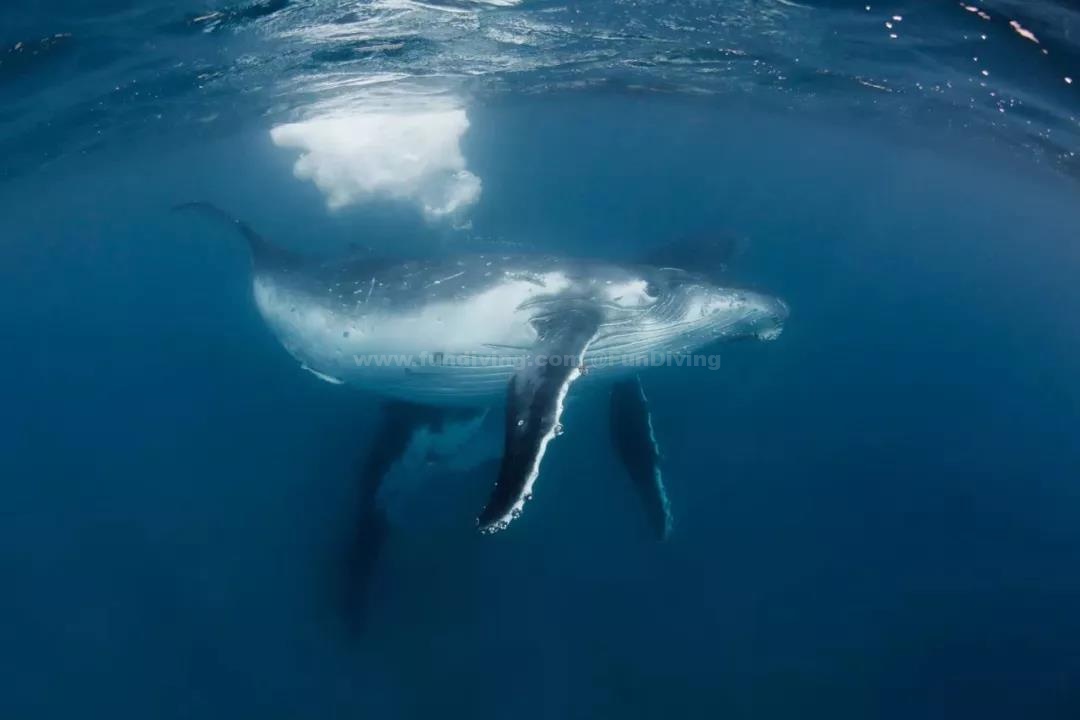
[(447, 352)]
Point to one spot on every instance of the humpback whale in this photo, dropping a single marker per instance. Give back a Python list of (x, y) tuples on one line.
[(443, 339)]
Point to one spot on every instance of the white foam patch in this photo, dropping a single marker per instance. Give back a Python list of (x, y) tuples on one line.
[(413, 155)]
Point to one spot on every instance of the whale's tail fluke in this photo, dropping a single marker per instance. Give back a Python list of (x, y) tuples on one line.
[(263, 252)]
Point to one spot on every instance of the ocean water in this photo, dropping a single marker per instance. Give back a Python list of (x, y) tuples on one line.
[(877, 515)]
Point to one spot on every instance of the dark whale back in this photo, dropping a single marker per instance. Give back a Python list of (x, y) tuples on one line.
[(265, 255)]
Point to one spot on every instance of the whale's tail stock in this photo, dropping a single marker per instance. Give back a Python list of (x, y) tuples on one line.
[(263, 251)]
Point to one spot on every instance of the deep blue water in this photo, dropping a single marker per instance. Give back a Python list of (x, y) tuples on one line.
[(877, 515)]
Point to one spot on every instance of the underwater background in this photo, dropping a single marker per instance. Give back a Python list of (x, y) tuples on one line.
[(877, 515)]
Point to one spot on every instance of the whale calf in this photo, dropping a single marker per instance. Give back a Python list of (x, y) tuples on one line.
[(444, 339)]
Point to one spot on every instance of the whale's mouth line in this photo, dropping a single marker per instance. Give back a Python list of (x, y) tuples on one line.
[(611, 342), (703, 322)]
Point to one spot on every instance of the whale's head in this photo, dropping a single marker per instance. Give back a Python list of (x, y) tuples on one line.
[(745, 314), (693, 306)]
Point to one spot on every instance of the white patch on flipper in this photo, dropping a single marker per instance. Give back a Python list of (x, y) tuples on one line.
[(504, 521), (658, 478)]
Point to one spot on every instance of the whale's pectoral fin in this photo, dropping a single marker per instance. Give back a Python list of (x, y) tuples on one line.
[(534, 406), (635, 442)]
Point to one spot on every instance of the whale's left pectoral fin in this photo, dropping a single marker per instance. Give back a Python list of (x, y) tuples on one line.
[(534, 406)]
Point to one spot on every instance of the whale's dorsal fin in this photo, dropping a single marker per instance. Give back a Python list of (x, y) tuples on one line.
[(707, 254), (263, 252), (534, 406), (635, 442)]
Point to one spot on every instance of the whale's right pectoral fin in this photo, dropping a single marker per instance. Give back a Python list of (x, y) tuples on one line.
[(635, 442), (534, 406)]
